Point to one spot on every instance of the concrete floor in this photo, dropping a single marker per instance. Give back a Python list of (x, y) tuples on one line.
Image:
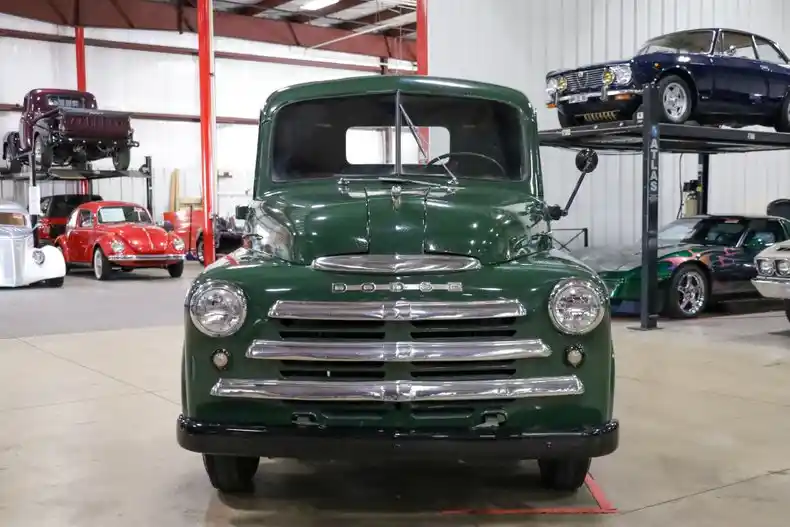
[(89, 395)]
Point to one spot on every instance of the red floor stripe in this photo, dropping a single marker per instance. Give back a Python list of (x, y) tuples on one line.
[(604, 506)]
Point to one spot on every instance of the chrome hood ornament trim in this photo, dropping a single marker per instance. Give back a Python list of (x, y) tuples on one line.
[(400, 310), (396, 263), (398, 391), (436, 351)]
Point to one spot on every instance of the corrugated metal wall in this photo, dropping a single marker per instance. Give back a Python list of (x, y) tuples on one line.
[(515, 42)]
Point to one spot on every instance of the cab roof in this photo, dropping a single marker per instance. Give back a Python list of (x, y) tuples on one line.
[(408, 84)]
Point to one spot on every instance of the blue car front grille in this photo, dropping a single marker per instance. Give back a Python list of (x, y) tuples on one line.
[(585, 80)]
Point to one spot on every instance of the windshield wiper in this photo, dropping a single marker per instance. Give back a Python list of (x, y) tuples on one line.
[(418, 140)]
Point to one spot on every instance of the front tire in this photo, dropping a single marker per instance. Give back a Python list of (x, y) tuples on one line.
[(787, 309), (688, 293), (783, 122), (564, 475), (121, 159), (231, 474), (101, 265), (675, 99), (176, 270), (54, 282), (43, 155), (566, 121), (199, 251)]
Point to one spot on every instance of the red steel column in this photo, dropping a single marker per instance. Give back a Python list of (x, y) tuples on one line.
[(422, 60), (82, 77), (208, 123)]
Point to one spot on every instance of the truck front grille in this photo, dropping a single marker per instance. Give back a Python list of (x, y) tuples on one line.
[(483, 328)]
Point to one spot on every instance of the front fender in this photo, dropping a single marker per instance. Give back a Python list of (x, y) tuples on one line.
[(53, 266)]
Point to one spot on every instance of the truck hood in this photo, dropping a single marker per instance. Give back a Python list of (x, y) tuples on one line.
[(586, 67), (602, 260), (308, 220)]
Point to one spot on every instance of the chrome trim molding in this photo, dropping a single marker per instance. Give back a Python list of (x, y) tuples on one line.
[(398, 351), (397, 391), (773, 287), (396, 263), (399, 310), (143, 257), (599, 95)]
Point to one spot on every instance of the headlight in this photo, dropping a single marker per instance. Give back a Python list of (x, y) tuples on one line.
[(218, 309), (562, 84), (576, 306), (551, 86), (765, 267), (178, 244), (622, 74), (117, 246), (608, 77), (783, 267), (38, 257)]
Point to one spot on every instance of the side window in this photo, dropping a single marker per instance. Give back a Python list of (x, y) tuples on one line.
[(768, 52), (45, 205), (85, 219), (72, 220), (737, 45), (767, 232)]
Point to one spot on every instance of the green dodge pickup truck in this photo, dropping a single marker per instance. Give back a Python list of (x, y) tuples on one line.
[(406, 303)]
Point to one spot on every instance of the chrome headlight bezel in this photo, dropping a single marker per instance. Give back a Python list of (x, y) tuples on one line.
[(552, 86), (117, 246), (38, 257), (567, 285), (622, 74), (210, 286), (178, 243), (765, 266), (782, 266)]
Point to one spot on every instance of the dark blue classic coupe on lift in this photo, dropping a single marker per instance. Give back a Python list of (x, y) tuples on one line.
[(706, 76)]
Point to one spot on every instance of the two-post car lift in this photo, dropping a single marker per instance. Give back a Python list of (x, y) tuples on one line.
[(652, 137)]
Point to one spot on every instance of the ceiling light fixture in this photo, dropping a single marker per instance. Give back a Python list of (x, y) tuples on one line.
[(315, 5)]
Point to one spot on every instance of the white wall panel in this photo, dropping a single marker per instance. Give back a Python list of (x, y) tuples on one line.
[(149, 82), (517, 41)]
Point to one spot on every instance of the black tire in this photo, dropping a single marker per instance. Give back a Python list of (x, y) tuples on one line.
[(563, 475), (787, 309), (121, 158), (199, 251), (697, 297), (231, 474), (673, 82), (176, 269), (783, 121), (68, 267), (566, 121), (102, 269), (54, 282), (45, 150)]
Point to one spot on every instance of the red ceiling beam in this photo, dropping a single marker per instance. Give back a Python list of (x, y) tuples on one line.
[(143, 14)]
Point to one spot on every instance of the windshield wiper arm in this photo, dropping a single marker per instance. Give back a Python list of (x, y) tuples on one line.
[(418, 140)]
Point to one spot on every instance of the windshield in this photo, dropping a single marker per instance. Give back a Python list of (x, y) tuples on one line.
[(706, 231), (686, 42), (368, 135), (66, 101), (17, 219), (124, 214)]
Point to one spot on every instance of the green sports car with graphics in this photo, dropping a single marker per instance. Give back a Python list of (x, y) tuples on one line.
[(702, 259), (398, 294)]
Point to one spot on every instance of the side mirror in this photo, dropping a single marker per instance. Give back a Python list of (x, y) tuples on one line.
[(586, 160), (241, 212), (168, 226)]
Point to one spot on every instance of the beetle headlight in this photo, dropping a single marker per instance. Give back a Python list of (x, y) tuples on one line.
[(178, 244), (117, 246), (38, 257), (218, 309), (765, 267), (576, 306)]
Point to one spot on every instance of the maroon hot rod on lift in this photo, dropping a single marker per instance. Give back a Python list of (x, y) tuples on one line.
[(67, 129)]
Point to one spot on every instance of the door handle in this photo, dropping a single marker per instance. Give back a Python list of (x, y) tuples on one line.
[(765, 68)]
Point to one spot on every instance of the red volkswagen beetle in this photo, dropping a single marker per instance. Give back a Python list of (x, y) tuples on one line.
[(117, 234)]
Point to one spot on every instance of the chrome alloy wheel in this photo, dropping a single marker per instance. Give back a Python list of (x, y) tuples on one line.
[(675, 101), (98, 264), (691, 293)]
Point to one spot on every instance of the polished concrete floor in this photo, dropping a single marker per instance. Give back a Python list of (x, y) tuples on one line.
[(89, 394)]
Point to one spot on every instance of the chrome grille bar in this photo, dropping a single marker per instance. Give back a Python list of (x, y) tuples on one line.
[(393, 264), (400, 310), (398, 351), (591, 79), (397, 391)]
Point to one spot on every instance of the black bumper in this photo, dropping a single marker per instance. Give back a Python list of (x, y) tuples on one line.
[(351, 444)]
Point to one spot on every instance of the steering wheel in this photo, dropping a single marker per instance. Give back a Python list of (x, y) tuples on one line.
[(469, 154)]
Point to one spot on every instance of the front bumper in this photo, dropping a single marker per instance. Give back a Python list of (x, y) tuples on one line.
[(773, 287), (590, 107), (359, 444), (137, 258)]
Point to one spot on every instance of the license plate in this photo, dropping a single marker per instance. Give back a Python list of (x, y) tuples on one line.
[(579, 97)]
